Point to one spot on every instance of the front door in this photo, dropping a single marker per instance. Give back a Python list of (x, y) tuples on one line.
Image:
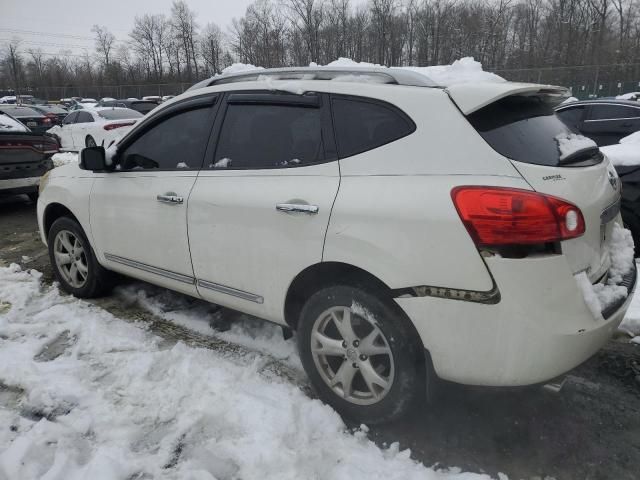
[(259, 210), (139, 212)]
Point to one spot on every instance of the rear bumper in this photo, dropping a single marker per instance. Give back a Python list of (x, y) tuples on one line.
[(541, 328), (22, 177)]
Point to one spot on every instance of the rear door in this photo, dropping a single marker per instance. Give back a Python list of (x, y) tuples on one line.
[(259, 210), (608, 123), (553, 160), (139, 211), (83, 120)]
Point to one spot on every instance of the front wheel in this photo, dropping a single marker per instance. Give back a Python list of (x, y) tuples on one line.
[(361, 354), (74, 262)]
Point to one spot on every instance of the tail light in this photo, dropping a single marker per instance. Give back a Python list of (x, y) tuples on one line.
[(111, 126), (497, 216)]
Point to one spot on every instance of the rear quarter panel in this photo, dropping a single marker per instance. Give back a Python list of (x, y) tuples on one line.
[(394, 216)]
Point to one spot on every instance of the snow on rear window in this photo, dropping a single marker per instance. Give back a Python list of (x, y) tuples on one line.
[(570, 143)]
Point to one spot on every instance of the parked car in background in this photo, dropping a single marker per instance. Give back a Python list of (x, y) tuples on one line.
[(629, 96), (142, 106), (106, 99), (84, 104), (99, 126), (404, 231), (55, 112), (153, 98), (36, 121), (167, 97), (24, 157), (604, 121), (12, 99)]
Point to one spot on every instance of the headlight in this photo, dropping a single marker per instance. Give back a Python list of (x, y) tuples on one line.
[(44, 179)]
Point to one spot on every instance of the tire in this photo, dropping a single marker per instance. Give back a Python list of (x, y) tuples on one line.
[(33, 196), (403, 369), (90, 142), (90, 278)]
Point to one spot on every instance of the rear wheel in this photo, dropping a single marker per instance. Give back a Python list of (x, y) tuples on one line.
[(74, 262), (33, 196), (361, 354), (90, 142)]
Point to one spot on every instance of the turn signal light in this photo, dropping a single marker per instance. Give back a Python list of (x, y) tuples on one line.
[(498, 216)]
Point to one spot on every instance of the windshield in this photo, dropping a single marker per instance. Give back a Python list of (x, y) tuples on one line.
[(119, 114), (526, 129)]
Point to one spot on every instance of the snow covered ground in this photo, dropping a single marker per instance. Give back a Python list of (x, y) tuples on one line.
[(626, 153), (64, 158), (84, 394)]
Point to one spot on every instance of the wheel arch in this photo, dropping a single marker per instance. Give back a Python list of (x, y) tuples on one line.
[(54, 211)]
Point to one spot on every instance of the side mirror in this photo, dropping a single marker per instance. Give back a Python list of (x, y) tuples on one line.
[(93, 158)]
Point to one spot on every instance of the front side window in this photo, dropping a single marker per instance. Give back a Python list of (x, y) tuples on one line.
[(176, 143), (71, 118), (269, 136), (362, 125), (84, 117), (613, 112)]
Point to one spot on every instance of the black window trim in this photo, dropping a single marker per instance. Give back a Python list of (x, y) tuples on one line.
[(209, 100), (262, 97), (375, 101), (592, 106)]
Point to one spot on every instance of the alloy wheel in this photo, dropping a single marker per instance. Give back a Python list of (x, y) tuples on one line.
[(71, 259), (352, 355)]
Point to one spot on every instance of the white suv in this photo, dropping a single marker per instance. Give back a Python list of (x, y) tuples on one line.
[(403, 229)]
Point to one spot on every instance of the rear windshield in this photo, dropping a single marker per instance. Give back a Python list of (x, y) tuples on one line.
[(119, 114), (143, 107), (52, 109), (21, 111), (525, 129)]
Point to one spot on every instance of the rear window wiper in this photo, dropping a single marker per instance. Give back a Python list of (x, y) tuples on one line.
[(583, 155)]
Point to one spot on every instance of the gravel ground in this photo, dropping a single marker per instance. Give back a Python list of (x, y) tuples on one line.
[(590, 430)]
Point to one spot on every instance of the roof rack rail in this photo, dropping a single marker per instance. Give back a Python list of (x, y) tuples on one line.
[(393, 76)]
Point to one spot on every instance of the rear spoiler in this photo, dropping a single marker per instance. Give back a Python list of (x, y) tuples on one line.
[(470, 97)]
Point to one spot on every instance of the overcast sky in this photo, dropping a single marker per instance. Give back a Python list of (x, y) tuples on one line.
[(66, 24)]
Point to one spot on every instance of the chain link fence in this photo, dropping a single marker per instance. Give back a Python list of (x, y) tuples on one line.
[(585, 82)]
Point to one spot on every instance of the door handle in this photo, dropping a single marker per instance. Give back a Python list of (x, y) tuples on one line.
[(170, 197), (297, 208)]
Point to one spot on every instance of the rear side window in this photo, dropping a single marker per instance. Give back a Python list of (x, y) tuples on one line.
[(178, 142), (524, 128), (269, 136), (362, 125), (572, 117), (613, 112)]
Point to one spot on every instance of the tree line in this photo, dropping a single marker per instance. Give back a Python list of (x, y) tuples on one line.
[(502, 34)]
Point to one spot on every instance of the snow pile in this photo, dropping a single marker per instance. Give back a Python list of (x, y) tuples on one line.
[(621, 253), (629, 96), (65, 158), (569, 100), (626, 153), (240, 68), (465, 70), (570, 143), (8, 124), (86, 395)]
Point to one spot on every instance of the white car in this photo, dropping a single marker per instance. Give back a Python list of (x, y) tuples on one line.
[(99, 126), (405, 231)]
